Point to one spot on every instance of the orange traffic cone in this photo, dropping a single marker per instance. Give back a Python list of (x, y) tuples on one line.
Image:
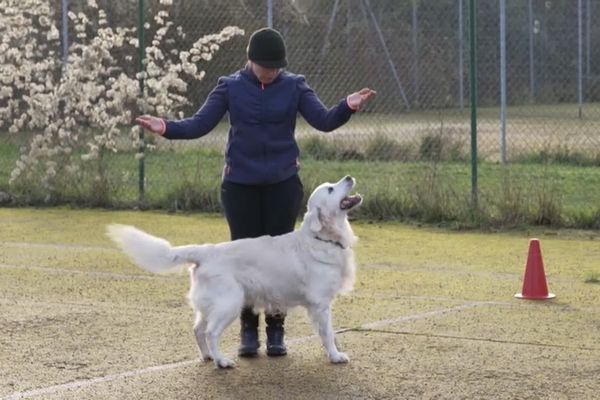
[(534, 282)]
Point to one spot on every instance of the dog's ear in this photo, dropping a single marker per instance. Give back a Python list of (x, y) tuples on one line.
[(314, 220)]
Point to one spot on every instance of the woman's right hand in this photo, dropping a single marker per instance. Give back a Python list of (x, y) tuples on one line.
[(153, 124)]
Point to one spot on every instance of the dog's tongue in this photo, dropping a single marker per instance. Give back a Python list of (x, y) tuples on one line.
[(350, 201)]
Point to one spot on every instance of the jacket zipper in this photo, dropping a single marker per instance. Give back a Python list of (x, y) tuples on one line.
[(263, 111)]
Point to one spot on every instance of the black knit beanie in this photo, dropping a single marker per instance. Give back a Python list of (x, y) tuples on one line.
[(267, 48)]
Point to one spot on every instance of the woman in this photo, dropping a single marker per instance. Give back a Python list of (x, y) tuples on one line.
[(261, 192)]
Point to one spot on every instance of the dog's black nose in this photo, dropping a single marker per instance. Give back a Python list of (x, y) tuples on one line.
[(348, 178)]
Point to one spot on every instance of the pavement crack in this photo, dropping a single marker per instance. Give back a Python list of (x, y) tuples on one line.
[(407, 333)]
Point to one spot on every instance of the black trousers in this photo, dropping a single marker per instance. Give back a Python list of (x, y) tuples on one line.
[(256, 210)]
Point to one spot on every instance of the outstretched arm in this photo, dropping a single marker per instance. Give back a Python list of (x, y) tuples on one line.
[(323, 119), (205, 119)]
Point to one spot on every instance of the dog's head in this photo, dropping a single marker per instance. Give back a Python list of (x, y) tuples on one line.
[(327, 211)]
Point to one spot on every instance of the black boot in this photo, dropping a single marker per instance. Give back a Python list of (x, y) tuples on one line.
[(275, 345), (248, 333)]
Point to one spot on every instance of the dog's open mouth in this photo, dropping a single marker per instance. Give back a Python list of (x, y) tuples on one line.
[(349, 202)]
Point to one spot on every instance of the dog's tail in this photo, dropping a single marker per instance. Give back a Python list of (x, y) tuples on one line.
[(152, 253)]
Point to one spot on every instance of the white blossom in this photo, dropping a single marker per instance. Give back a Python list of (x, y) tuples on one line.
[(82, 108), (44, 21)]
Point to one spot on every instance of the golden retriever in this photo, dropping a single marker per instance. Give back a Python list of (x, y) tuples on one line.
[(307, 267)]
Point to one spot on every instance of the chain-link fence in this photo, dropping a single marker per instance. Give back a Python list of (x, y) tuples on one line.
[(538, 119)]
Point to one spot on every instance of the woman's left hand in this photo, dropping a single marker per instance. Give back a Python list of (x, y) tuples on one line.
[(358, 99)]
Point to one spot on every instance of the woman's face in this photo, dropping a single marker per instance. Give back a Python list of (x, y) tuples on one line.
[(265, 75)]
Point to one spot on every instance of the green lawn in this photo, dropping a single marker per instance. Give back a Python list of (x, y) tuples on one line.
[(186, 174), (190, 179)]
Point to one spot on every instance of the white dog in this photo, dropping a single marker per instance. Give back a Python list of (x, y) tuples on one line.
[(307, 267)]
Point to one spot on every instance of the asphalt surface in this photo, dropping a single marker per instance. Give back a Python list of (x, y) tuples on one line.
[(77, 321)]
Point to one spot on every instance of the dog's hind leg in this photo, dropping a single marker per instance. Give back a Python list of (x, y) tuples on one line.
[(200, 333), (321, 319), (222, 313)]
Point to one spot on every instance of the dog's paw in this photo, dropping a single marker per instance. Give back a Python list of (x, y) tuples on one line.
[(206, 358), (224, 363), (339, 358)]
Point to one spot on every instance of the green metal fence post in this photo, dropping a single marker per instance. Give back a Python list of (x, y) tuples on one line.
[(473, 96), (141, 56)]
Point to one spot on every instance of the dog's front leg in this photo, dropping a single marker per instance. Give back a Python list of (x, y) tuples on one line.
[(321, 318)]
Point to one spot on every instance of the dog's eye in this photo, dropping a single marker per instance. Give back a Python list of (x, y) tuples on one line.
[(330, 189)]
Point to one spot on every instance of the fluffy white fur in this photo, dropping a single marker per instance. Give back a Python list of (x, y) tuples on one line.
[(307, 267)]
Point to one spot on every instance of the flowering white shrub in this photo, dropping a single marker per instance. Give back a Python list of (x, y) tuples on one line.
[(77, 112)]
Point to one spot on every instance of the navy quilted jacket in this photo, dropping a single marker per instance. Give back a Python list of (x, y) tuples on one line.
[(261, 146)]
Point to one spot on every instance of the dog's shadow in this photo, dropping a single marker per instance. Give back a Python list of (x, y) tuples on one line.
[(291, 377)]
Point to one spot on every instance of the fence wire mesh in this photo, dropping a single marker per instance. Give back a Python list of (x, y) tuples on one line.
[(538, 85)]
